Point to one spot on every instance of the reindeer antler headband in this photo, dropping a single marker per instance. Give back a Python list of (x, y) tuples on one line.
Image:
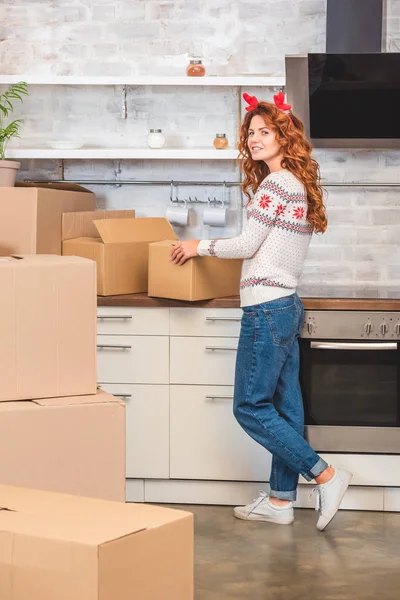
[(279, 101)]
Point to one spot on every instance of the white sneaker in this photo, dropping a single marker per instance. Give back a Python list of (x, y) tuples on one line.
[(261, 509), (330, 495)]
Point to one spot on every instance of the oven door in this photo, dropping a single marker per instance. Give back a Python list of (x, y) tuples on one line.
[(351, 394)]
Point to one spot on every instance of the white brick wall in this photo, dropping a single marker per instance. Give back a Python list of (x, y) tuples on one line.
[(84, 37), (359, 254)]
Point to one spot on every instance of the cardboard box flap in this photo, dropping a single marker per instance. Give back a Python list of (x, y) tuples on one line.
[(53, 185), (40, 259), (99, 398), (75, 528), (18, 405), (80, 224), (77, 519), (135, 230), (42, 502)]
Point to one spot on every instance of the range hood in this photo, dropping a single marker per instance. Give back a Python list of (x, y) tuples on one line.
[(355, 26), (336, 92)]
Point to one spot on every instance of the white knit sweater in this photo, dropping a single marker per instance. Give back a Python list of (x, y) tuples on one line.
[(275, 242)]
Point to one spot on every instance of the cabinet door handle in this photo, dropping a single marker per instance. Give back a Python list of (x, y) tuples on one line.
[(235, 319), (113, 346), (123, 395), (221, 348), (219, 397), (114, 316)]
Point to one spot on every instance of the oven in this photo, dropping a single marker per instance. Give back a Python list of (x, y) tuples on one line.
[(350, 380)]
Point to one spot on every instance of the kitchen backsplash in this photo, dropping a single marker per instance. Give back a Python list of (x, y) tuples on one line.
[(360, 253), (358, 256)]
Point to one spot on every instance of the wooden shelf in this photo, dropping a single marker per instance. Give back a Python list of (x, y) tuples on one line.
[(125, 153)]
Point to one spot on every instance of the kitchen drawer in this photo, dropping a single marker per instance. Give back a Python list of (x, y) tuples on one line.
[(118, 320), (207, 442), (147, 428), (132, 359), (208, 322), (202, 361)]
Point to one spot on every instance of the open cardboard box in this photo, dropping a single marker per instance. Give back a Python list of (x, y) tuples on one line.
[(121, 252), (48, 310), (81, 224), (57, 546), (200, 278), (73, 445), (31, 213)]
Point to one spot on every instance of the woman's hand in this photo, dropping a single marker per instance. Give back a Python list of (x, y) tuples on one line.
[(182, 251)]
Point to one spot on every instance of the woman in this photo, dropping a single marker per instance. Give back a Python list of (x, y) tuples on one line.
[(286, 209)]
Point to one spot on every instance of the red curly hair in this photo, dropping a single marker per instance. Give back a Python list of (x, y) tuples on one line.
[(296, 158)]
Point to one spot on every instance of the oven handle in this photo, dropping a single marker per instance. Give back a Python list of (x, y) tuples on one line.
[(352, 346)]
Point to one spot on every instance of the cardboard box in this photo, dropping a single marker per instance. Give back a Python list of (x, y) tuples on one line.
[(81, 224), (48, 327), (121, 252), (200, 278), (30, 215), (61, 547), (74, 445)]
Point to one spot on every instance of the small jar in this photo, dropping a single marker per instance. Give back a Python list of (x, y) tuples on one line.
[(156, 138), (195, 69), (220, 142)]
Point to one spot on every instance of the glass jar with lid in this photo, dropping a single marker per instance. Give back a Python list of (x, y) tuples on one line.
[(221, 141), (195, 69), (156, 138)]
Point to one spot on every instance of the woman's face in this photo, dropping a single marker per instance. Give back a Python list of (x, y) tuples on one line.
[(262, 141)]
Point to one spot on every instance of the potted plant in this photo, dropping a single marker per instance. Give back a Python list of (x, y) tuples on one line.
[(8, 168)]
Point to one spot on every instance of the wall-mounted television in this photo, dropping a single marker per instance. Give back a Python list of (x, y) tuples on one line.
[(347, 100)]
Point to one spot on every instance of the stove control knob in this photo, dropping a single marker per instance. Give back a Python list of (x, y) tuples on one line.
[(368, 328), (310, 327), (397, 329), (384, 328)]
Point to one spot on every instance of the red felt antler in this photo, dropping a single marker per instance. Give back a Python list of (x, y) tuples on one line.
[(251, 101), (279, 100)]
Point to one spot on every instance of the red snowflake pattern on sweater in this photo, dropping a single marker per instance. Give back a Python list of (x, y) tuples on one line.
[(280, 209), (265, 201), (298, 212)]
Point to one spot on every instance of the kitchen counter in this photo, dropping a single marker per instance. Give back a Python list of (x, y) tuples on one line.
[(233, 302)]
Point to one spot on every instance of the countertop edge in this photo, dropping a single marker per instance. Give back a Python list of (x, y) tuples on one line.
[(142, 300)]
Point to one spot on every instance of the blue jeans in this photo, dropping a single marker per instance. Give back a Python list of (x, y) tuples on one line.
[(267, 400)]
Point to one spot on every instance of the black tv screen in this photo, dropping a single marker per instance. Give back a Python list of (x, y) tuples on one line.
[(354, 96)]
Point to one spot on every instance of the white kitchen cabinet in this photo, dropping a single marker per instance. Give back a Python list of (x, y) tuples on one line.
[(206, 442), (183, 442), (132, 359), (207, 322), (119, 320), (202, 361), (147, 429)]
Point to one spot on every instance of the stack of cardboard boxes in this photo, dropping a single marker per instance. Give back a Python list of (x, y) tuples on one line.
[(132, 255), (58, 432)]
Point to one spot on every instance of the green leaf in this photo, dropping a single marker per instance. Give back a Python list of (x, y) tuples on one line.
[(14, 92), (11, 130)]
